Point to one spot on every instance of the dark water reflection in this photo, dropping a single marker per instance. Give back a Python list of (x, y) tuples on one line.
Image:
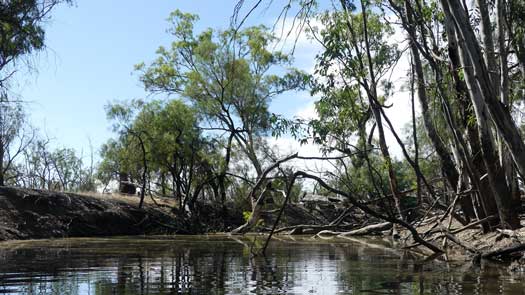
[(222, 265)]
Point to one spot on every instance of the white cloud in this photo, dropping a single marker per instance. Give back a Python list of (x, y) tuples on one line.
[(296, 41), (307, 112)]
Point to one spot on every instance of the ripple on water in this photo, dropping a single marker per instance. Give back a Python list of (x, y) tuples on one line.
[(222, 265)]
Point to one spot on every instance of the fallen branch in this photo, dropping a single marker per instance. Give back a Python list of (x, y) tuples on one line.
[(473, 224), (341, 217), (368, 210), (451, 237), (323, 233), (468, 226), (257, 202), (449, 210)]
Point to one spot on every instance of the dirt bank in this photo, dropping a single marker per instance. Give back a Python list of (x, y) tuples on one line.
[(37, 214)]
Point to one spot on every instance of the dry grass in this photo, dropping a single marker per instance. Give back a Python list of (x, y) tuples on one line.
[(131, 199)]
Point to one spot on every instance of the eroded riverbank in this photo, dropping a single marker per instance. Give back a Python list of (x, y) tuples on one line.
[(36, 214)]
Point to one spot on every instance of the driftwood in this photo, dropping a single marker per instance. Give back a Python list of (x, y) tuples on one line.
[(452, 232), (464, 228), (313, 229), (342, 216), (370, 229), (307, 228), (450, 210), (503, 253), (428, 221), (366, 230), (449, 236)]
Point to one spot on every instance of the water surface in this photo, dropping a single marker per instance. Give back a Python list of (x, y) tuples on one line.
[(224, 265)]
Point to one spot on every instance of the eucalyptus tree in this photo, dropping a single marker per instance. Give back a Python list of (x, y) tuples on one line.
[(14, 137), (355, 60), (22, 31), (229, 77), (112, 164), (470, 73), (69, 170), (479, 56)]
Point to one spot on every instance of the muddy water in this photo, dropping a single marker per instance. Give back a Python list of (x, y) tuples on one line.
[(223, 265)]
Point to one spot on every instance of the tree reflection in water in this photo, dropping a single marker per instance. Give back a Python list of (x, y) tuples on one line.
[(223, 265)]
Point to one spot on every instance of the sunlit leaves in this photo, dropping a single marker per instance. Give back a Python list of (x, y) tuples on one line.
[(343, 75), (225, 74)]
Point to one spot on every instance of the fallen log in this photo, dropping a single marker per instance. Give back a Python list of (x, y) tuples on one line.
[(367, 230), (451, 237), (504, 252), (308, 228)]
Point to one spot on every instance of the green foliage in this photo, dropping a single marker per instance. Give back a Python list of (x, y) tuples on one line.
[(341, 58), (343, 75), (229, 78), (350, 70), (225, 74), (12, 120), (21, 29), (174, 146), (246, 215)]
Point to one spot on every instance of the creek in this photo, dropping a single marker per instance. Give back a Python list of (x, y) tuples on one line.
[(220, 264)]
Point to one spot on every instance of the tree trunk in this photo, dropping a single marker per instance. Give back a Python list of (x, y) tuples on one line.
[(373, 101), (501, 116), (449, 168), (505, 157), (144, 170), (495, 173), (447, 164), (2, 171), (222, 175), (488, 42)]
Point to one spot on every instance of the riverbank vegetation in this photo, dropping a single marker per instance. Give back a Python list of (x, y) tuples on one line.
[(204, 137)]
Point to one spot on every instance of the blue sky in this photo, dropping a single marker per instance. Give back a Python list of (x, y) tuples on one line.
[(92, 47)]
